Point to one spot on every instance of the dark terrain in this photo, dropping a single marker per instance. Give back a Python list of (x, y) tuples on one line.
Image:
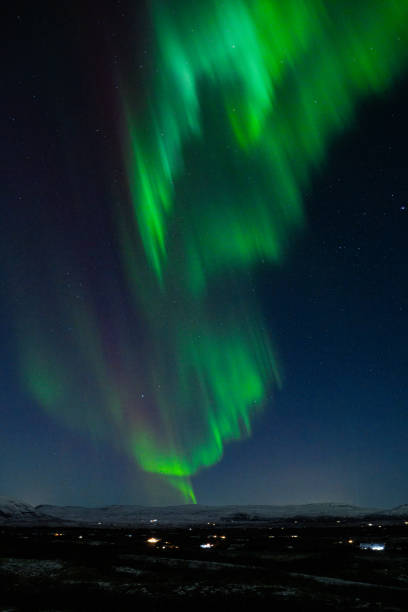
[(288, 565)]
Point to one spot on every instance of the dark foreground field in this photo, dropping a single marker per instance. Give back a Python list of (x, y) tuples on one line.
[(297, 566)]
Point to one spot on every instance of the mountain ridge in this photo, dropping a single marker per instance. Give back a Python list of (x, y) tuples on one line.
[(18, 511)]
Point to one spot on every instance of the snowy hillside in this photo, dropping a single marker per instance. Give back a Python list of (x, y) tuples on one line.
[(13, 511), (398, 511), (182, 515)]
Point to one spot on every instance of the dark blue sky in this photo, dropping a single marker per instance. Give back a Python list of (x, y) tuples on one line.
[(338, 308)]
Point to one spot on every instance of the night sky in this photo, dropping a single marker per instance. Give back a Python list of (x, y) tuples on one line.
[(203, 252)]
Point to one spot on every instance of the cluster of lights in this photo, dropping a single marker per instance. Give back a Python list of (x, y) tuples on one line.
[(56, 534), (207, 545), (153, 540), (365, 546), (373, 546)]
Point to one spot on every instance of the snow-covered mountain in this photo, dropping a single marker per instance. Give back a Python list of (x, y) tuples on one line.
[(197, 514), (398, 511), (14, 511)]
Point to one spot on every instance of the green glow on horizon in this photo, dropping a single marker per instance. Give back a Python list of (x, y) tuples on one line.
[(226, 376), (244, 103)]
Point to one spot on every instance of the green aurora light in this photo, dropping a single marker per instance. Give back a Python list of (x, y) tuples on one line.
[(238, 117)]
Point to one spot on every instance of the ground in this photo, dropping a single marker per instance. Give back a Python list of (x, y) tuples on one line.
[(292, 565)]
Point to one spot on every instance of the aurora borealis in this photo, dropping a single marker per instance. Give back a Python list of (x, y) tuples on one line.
[(144, 325), (252, 92)]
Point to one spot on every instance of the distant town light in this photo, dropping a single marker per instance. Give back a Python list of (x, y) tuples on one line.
[(350, 541), (370, 524), (153, 540), (206, 545), (372, 546), (153, 520)]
